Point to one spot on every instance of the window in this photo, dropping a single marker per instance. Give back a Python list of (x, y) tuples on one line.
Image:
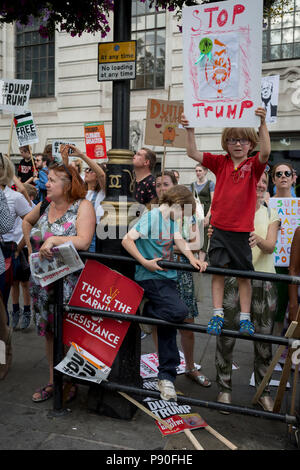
[(148, 28), (281, 34), (35, 60)]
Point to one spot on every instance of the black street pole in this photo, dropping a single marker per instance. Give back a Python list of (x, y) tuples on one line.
[(121, 88), (119, 187)]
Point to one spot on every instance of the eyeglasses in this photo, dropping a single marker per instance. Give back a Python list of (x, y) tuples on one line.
[(235, 141), (279, 174)]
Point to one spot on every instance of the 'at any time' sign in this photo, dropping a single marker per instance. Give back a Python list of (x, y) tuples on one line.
[(116, 60)]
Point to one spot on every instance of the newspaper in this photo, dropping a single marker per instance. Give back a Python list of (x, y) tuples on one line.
[(65, 261)]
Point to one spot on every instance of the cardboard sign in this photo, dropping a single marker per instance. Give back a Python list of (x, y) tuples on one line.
[(222, 49), (95, 144), (162, 124), (179, 417), (25, 129), (288, 210), (269, 96), (101, 288), (116, 60), (14, 95), (56, 149)]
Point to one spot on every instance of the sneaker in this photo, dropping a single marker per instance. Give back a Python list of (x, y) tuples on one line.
[(215, 325), (15, 316), (25, 320), (247, 327), (167, 390)]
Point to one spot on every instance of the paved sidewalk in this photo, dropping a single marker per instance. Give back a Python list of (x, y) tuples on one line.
[(27, 425)]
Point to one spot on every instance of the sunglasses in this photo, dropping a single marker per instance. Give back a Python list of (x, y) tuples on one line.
[(2, 160), (279, 174), (235, 141), (88, 170)]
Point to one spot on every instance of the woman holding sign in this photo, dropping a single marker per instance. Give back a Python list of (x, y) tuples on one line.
[(95, 180), (282, 177), (68, 217)]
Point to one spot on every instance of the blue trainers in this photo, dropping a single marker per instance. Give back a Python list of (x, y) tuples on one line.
[(247, 327), (215, 325)]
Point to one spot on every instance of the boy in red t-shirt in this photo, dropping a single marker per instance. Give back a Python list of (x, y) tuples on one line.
[(233, 209)]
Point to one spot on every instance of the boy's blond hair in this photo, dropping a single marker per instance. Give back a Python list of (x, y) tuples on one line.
[(248, 133)]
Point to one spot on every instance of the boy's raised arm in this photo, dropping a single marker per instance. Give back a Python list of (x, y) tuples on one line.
[(264, 136), (190, 141)]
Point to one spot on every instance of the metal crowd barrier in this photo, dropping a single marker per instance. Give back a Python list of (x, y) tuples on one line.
[(59, 349)]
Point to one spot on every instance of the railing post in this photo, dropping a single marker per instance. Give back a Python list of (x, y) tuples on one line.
[(58, 348)]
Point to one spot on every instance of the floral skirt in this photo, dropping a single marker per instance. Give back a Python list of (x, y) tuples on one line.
[(44, 301), (185, 288)]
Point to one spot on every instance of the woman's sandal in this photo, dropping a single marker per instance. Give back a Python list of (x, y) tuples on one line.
[(199, 379), (45, 393)]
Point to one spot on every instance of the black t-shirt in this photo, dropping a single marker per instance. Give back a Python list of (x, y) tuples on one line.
[(25, 170)]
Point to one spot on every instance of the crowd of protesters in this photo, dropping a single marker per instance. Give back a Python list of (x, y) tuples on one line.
[(45, 203)]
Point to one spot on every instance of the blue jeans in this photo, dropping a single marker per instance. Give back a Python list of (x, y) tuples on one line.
[(165, 304)]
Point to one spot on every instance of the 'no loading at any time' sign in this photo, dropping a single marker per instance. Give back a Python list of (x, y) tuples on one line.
[(116, 61)]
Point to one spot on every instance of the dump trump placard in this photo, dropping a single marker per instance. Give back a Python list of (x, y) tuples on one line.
[(95, 143), (222, 48), (14, 95), (162, 124)]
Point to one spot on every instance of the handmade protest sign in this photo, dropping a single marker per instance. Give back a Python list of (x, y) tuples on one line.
[(14, 95), (288, 210), (25, 129), (222, 44), (269, 96), (162, 124), (95, 144), (101, 288)]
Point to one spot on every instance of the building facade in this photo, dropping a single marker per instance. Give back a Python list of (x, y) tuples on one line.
[(66, 94)]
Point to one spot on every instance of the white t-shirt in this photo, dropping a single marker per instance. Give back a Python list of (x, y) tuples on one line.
[(18, 207), (97, 204)]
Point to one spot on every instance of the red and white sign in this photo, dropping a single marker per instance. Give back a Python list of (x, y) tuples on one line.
[(101, 288)]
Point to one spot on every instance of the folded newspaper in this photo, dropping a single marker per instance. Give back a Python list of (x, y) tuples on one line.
[(65, 261)]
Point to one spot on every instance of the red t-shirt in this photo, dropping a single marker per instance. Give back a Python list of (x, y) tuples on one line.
[(234, 201)]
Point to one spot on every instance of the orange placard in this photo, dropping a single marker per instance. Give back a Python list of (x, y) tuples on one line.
[(95, 144)]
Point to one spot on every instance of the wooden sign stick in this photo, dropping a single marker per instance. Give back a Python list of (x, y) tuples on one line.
[(275, 359), (220, 437), (187, 432), (33, 164), (10, 136)]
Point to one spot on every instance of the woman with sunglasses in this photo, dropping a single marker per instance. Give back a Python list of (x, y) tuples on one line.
[(95, 181), (282, 177), (68, 217)]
